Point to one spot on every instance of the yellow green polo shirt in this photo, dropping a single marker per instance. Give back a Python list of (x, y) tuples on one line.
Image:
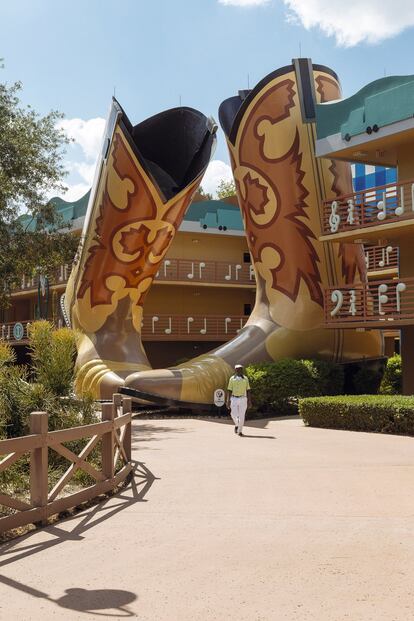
[(238, 386)]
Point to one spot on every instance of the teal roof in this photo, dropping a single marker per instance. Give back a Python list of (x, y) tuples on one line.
[(212, 213), (68, 211), (380, 103)]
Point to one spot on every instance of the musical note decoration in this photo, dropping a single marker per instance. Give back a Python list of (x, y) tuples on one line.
[(382, 297), (351, 212), (167, 263), (227, 320), (190, 275), (204, 329), (189, 322), (382, 207), (337, 298), (334, 218), (352, 303), (228, 276), (237, 269), (385, 256), (367, 260), (400, 209), (153, 322), (200, 269), (252, 275), (169, 329), (241, 325), (400, 288)]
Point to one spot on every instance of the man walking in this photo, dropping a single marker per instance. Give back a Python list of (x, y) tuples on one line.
[(238, 397)]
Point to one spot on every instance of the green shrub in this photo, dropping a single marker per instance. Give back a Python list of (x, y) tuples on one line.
[(277, 385), (379, 413), (53, 356), (392, 381)]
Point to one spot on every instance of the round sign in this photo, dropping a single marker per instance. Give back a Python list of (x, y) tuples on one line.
[(219, 397), (18, 331)]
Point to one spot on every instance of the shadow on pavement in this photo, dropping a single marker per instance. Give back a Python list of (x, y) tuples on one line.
[(80, 599)]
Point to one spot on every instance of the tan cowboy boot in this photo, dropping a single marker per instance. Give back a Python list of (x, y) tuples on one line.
[(280, 185), (145, 180)]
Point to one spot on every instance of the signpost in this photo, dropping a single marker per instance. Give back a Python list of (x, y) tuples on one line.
[(219, 399), (18, 331)]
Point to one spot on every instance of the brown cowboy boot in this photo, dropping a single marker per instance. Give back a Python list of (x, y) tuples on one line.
[(280, 185), (145, 180)]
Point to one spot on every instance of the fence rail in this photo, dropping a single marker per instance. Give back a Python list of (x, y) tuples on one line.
[(114, 434), (378, 303), (380, 258), (171, 270), (370, 207), (157, 328)]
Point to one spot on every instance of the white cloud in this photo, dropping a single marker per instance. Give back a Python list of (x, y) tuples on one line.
[(87, 134), (216, 172), (244, 2), (75, 191), (83, 153), (354, 21)]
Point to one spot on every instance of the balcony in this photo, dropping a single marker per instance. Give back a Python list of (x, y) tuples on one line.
[(386, 304), (182, 271), (385, 211), (381, 260), (156, 328)]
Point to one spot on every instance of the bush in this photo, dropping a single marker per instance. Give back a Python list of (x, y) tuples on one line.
[(53, 357), (379, 413), (392, 381), (276, 386)]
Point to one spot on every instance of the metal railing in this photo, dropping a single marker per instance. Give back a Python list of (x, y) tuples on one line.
[(114, 436), (370, 207), (170, 270), (379, 302), (155, 328), (380, 258)]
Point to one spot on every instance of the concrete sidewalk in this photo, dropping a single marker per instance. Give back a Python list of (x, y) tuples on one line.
[(287, 523)]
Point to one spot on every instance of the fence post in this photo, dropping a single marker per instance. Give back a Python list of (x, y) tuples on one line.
[(39, 464), (127, 409), (116, 403), (108, 441)]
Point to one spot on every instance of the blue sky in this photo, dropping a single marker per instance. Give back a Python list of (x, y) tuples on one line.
[(70, 55)]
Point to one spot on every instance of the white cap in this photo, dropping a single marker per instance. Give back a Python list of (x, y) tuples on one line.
[(238, 366)]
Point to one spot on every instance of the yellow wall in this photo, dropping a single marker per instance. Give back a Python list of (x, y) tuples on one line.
[(210, 247), (193, 300)]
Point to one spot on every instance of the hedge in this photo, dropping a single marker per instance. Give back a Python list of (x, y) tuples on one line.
[(379, 413), (392, 381), (276, 386)]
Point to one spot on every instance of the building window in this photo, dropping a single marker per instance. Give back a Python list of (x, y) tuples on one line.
[(247, 309), (246, 257)]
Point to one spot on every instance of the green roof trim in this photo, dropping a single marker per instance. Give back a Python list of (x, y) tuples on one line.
[(379, 103)]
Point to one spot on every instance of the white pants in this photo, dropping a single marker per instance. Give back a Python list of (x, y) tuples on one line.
[(238, 407)]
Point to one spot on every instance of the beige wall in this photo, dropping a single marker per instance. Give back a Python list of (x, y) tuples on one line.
[(201, 246), (184, 300)]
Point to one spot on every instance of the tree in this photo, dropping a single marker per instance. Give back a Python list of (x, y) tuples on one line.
[(225, 189), (205, 194), (31, 152)]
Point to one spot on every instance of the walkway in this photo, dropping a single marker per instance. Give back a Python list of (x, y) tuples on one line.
[(289, 523)]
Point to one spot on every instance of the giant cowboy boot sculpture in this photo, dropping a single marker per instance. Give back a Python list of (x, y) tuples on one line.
[(280, 185), (145, 180)]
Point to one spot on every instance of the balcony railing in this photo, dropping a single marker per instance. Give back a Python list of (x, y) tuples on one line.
[(379, 303), (171, 270), (366, 208), (157, 328), (381, 258)]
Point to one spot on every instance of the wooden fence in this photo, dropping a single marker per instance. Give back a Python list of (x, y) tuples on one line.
[(114, 433)]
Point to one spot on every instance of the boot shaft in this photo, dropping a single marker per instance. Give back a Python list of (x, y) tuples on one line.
[(281, 185)]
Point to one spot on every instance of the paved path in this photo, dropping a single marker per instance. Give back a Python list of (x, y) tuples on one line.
[(288, 523)]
